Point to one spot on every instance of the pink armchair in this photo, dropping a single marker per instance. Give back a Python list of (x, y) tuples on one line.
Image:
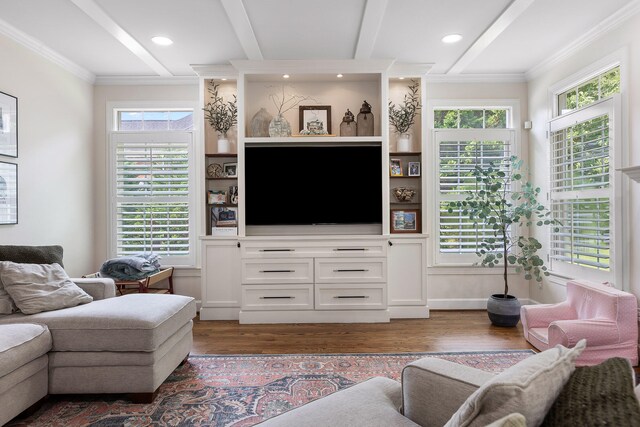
[(605, 316)]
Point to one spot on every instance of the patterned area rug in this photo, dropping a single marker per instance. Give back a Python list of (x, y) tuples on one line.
[(241, 391)]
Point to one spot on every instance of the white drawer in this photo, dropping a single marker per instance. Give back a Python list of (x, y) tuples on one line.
[(351, 270), (320, 248), (351, 297), (264, 271), (277, 297)]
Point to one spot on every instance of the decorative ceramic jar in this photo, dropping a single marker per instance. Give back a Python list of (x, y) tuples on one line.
[(260, 123), (365, 120), (348, 127), (279, 127), (403, 143)]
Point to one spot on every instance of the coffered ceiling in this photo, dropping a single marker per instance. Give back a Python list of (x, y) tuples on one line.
[(112, 38)]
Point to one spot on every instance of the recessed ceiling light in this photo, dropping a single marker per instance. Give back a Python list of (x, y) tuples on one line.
[(223, 79), (339, 76), (451, 38), (285, 76), (400, 78), (162, 41)]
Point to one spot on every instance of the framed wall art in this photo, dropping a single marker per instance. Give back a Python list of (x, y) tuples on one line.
[(395, 167), (230, 170), (315, 119), (405, 221), (8, 193), (8, 125)]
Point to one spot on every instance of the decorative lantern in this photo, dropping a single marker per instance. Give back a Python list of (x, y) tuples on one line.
[(348, 127), (365, 120)]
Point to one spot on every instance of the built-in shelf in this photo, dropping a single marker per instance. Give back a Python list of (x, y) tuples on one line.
[(222, 178), (222, 155), (406, 154), (405, 176), (222, 205), (315, 139), (632, 172)]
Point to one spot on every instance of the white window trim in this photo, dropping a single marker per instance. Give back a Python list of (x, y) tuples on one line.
[(197, 219), (432, 158)]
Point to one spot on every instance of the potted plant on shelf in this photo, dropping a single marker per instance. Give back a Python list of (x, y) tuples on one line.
[(402, 117), (500, 201), (222, 115)]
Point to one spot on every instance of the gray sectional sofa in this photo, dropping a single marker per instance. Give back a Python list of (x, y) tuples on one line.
[(128, 344)]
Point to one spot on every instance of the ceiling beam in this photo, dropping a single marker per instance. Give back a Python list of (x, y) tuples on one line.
[(369, 28), (95, 12), (240, 23), (508, 16)]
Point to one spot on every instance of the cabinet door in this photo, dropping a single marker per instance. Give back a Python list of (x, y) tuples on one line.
[(407, 284), (220, 279)]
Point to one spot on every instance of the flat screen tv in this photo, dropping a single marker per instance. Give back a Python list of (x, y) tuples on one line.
[(313, 185)]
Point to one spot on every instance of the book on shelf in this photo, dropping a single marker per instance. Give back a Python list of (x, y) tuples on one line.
[(224, 216), (224, 231)]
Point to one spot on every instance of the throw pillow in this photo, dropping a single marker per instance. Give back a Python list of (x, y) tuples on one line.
[(511, 420), (599, 395), (36, 288), (32, 254), (529, 387), (6, 303)]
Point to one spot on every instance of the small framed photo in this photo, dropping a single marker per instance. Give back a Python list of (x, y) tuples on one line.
[(8, 193), (224, 217), (315, 119), (414, 168), (395, 167), (405, 221), (216, 197), (230, 170), (8, 125)]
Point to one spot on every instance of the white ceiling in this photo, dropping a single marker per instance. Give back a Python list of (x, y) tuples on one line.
[(107, 38)]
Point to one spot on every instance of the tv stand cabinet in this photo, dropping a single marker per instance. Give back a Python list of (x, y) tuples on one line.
[(337, 279)]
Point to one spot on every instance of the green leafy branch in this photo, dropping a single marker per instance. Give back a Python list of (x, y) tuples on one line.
[(403, 117), (221, 115)]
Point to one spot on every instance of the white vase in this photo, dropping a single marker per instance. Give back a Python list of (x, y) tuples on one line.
[(224, 146), (403, 143)]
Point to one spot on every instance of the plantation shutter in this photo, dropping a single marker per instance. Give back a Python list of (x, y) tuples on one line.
[(581, 191), (459, 152), (153, 205)]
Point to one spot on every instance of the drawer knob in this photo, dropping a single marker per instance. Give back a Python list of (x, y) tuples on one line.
[(277, 297), (347, 270), (351, 296), (277, 271)]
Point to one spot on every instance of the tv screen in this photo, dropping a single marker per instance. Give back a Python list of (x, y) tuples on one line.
[(313, 185)]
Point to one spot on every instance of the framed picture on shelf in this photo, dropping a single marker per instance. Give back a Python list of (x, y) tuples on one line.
[(405, 221), (233, 194), (315, 119), (224, 217), (395, 167), (8, 193), (414, 168), (230, 170), (8, 125), (216, 197)]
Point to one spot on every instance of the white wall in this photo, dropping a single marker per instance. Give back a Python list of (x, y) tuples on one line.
[(186, 281), (627, 37), (56, 155), (469, 287)]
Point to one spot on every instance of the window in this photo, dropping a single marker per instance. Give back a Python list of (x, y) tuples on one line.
[(582, 191), (152, 205), (599, 87), (466, 134)]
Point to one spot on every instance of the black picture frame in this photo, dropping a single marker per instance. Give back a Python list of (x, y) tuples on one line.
[(321, 113), (8, 193), (8, 125)]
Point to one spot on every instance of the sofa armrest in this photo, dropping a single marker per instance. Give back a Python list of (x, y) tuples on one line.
[(596, 332), (540, 316), (98, 288), (433, 389)]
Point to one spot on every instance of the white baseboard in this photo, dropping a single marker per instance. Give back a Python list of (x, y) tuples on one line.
[(464, 303), (219, 313), (409, 312), (320, 316)]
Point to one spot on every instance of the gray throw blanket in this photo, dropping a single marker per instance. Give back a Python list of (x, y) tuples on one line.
[(133, 267)]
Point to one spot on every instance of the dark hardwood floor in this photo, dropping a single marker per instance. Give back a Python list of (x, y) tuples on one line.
[(444, 331)]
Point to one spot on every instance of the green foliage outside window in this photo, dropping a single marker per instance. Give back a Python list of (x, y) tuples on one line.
[(470, 118), (602, 86)]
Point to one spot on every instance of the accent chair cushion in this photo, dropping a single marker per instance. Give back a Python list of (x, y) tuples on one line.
[(40, 287), (530, 387), (32, 254)]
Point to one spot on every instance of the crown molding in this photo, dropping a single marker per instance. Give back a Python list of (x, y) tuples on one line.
[(145, 80), (608, 24), (38, 47), (476, 78), (215, 70), (319, 66)]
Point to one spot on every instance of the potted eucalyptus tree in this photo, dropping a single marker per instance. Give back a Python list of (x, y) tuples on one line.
[(222, 115), (501, 201)]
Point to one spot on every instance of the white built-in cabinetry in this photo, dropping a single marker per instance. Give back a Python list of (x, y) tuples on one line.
[(298, 276)]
